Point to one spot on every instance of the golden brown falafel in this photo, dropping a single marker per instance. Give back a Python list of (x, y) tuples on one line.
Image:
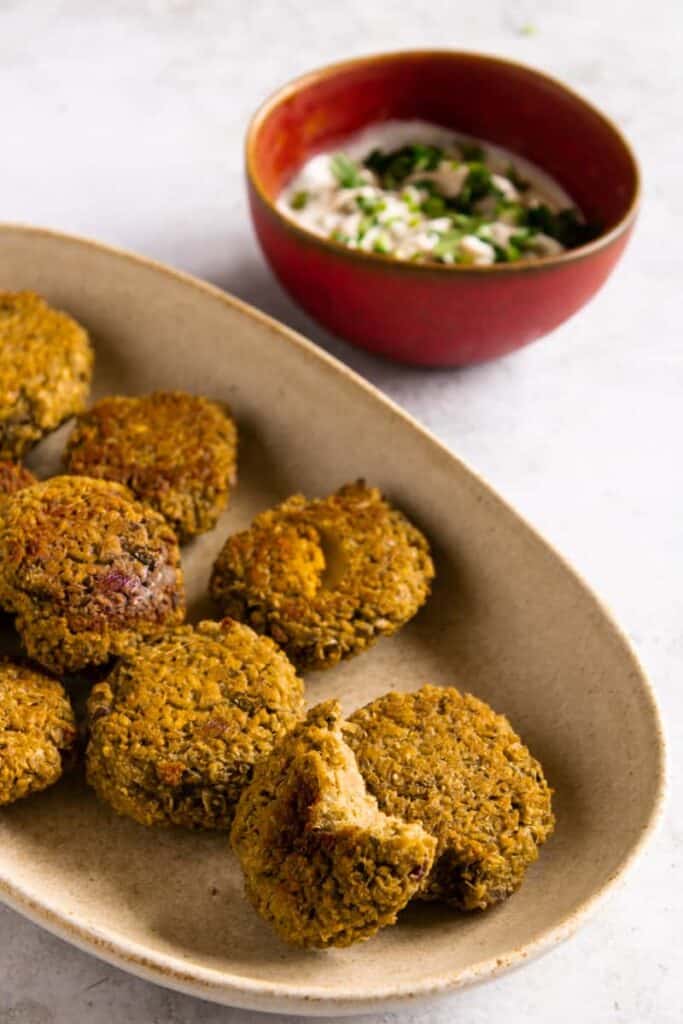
[(176, 729), (325, 578), (321, 862), (175, 451), (37, 731), (14, 476), (87, 571), (446, 760), (45, 370)]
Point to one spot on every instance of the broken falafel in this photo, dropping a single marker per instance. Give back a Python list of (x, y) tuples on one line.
[(175, 451), (177, 727), (321, 862), (448, 761), (45, 370), (37, 731), (87, 571), (325, 578)]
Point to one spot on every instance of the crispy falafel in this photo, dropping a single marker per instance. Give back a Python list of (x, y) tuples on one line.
[(175, 451), (37, 731), (176, 729), (325, 578), (14, 476), (321, 862), (87, 571), (448, 761), (45, 370)]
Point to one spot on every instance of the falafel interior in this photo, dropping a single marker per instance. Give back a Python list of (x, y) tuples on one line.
[(447, 760), (38, 731), (174, 450), (321, 862), (177, 727), (325, 578)]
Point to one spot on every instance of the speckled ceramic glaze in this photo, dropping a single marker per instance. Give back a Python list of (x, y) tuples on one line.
[(427, 313), (508, 620)]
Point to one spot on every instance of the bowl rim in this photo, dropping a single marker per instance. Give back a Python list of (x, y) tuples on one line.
[(386, 261)]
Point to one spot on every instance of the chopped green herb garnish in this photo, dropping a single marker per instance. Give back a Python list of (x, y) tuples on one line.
[(447, 246), (468, 225), (505, 253), (520, 183), (472, 152), (477, 185), (432, 203), (346, 171), (364, 226), (566, 226), (299, 200), (370, 204), (510, 212), (435, 206), (394, 167)]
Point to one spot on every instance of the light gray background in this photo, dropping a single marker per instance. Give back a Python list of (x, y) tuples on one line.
[(124, 121)]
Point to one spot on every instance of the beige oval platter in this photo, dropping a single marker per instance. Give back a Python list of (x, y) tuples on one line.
[(508, 620)]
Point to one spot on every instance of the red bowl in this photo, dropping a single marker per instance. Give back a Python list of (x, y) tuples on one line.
[(433, 314)]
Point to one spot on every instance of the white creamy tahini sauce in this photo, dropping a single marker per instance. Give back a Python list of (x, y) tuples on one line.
[(400, 227)]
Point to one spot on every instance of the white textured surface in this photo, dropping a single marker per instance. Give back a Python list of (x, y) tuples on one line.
[(124, 121)]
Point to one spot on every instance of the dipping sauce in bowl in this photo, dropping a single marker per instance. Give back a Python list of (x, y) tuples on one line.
[(418, 192), (464, 306)]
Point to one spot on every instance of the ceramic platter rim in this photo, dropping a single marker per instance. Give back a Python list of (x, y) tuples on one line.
[(274, 996)]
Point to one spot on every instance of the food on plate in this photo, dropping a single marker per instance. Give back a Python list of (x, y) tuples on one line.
[(173, 450), (14, 476), (418, 192), (37, 731), (321, 862), (177, 727), (45, 369), (446, 760), (87, 571), (325, 578)]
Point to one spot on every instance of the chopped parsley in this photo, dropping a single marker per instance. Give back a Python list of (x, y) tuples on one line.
[(394, 167), (347, 172), (449, 204), (299, 200)]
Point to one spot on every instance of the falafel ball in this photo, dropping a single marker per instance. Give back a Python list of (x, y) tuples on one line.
[(325, 578), (87, 571), (175, 451), (177, 727), (45, 370), (37, 731), (446, 760), (321, 862), (13, 477)]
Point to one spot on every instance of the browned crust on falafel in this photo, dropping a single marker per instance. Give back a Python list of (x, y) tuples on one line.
[(45, 370), (175, 451), (321, 862), (87, 571), (37, 731), (176, 729), (325, 578), (13, 477), (447, 760)]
